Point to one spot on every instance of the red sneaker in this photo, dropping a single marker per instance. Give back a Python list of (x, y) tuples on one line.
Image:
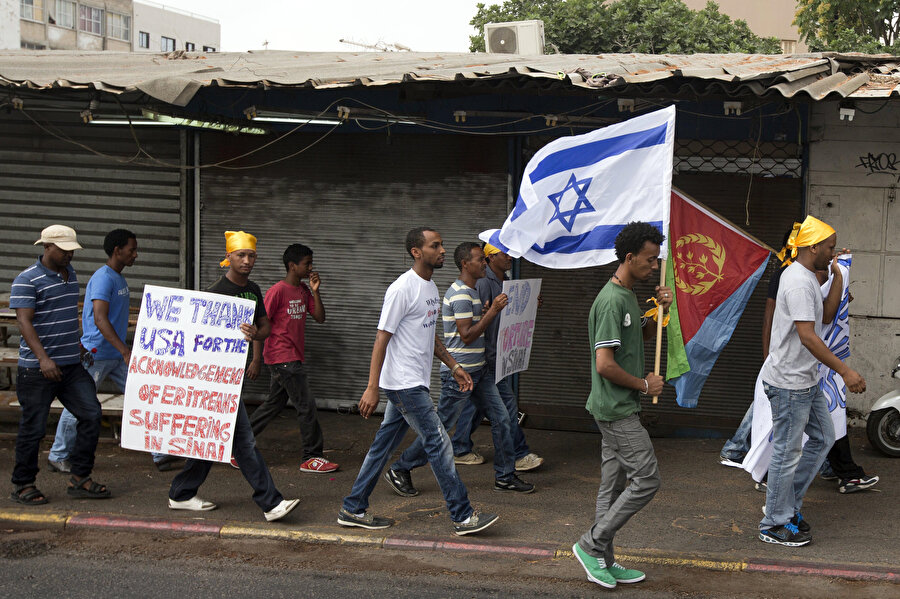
[(234, 464), (318, 466)]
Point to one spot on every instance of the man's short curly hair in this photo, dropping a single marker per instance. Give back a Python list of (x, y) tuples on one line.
[(631, 238)]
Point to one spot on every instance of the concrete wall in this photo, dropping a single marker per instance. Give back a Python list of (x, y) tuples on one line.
[(9, 24), (854, 175), (56, 37), (765, 18), (159, 20)]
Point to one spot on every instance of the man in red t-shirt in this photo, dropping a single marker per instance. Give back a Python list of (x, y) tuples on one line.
[(287, 304)]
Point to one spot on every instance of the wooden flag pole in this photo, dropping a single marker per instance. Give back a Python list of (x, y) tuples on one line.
[(659, 324)]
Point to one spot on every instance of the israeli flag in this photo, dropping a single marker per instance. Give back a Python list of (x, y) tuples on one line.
[(578, 192)]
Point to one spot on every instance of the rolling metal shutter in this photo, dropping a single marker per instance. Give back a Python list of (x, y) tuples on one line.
[(45, 180), (554, 389), (351, 198)]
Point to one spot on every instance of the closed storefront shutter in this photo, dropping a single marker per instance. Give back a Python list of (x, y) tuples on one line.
[(351, 198), (554, 389), (47, 179)]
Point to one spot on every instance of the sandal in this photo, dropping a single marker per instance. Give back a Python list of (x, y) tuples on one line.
[(25, 497), (94, 491)]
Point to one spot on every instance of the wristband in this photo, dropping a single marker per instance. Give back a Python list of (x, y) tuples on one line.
[(455, 367), (646, 387)]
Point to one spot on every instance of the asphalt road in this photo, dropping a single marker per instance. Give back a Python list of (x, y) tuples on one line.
[(90, 564)]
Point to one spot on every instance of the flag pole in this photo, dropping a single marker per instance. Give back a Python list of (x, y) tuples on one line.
[(659, 324)]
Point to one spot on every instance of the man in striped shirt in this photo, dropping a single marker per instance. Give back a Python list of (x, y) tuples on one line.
[(465, 321), (45, 298)]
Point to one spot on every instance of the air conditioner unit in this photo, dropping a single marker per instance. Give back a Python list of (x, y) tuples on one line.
[(515, 37)]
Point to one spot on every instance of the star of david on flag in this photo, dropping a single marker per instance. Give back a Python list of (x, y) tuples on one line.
[(578, 192)]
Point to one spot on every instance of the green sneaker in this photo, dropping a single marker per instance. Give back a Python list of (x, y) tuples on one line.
[(624, 575), (595, 568)]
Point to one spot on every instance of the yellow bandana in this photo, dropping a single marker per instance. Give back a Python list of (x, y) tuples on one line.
[(237, 240), (811, 232), (490, 250), (784, 254)]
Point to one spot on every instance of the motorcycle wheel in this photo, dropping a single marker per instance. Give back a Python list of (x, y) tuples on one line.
[(883, 430)]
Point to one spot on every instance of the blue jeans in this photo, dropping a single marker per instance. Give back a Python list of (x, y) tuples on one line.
[(471, 416), (77, 393), (117, 371), (411, 408), (739, 444), (485, 396), (794, 465), (249, 460)]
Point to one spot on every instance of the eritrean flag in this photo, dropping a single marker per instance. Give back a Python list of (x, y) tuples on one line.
[(713, 267)]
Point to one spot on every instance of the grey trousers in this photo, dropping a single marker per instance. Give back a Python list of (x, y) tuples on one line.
[(626, 453)]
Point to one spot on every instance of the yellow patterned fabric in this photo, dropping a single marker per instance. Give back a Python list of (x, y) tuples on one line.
[(237, 240), (652, 312), (810, 232), (490, 250)]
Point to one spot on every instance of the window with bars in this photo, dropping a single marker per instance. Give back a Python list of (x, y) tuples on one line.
[(90, 19), (167, 44), (118, 26), (32, 10), (766, 159), (65, 14)]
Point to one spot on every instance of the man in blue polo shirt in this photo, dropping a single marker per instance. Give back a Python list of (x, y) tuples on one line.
[(45, 298)]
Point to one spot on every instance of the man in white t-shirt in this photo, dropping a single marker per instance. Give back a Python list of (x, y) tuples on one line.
[(790, 381), (405, 344)]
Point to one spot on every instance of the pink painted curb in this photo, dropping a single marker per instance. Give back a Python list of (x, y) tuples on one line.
[(835, 571), (402, 542), (83, 521)]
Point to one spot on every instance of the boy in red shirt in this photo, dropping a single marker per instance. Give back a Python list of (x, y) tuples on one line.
[(287, 304)]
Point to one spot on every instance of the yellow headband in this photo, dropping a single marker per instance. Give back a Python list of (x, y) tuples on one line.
[(810, 232), (490, 250), (237, 240), (784, 254)]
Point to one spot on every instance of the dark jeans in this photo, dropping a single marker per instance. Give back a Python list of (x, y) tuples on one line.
[(411, 408), (841, 460), (253, 467), (78, 395), (471, 416), (289, 382)]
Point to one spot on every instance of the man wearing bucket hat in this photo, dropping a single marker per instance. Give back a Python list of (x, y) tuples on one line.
[(790, 381), (45, 298), (240, 257)]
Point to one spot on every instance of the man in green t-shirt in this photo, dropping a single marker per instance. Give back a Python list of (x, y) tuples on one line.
[(617, 333)]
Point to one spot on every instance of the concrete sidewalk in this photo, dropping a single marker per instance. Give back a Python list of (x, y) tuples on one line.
[(705, 515)]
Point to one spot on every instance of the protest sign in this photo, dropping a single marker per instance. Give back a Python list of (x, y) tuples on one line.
[(185, 375), (516, 326)]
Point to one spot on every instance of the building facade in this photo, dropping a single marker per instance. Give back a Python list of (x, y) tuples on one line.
[(115, 25), (766, 18), (159, 28)]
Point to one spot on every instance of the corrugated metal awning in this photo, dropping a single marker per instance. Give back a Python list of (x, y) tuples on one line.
[(176, 77)]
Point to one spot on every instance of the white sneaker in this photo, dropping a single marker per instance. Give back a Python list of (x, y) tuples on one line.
[(528, 462), (473, 458), (194, 504), (282, 509)]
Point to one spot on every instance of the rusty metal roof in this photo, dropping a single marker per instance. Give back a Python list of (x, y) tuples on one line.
[(176, 77)]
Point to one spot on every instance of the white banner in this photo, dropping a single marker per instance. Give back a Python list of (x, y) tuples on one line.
[(186, 371), (517, 326)]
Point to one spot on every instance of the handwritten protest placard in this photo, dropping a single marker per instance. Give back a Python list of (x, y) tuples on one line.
[(185, 375), (517, 326)]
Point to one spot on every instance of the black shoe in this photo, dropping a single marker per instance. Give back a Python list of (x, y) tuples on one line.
[(477, 522), (367, 520), (167, 463), (401, 482), (800, 522), (60, 466), (787, 534), (513, 483)]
